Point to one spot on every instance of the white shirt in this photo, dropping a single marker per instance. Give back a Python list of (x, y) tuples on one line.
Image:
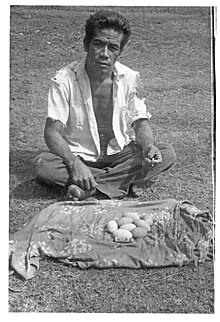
[(70, 101)]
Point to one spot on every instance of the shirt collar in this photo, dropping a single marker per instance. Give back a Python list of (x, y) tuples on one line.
[(118, 71), (79, 67)]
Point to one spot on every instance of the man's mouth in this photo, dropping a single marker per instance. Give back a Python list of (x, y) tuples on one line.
[(103, 63)]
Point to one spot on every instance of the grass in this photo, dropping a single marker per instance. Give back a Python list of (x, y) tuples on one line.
[(59, 288), (171, 49)]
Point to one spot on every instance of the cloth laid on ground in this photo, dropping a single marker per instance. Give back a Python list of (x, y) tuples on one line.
[(74, 233)]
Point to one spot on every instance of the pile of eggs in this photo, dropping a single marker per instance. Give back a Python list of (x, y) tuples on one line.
[(129, 226)]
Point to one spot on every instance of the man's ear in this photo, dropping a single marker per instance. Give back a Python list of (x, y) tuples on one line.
[(86, 45), (121, 48)]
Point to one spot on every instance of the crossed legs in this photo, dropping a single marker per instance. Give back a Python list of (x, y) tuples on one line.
[(114, 174)]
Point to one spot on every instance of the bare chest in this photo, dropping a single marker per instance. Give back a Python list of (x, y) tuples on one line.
[(102, 98)]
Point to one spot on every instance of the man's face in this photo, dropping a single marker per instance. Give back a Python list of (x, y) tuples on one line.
[(103, 51)]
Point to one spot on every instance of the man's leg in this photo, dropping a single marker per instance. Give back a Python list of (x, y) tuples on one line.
[(127, 167), (114, 175), (50, 168)]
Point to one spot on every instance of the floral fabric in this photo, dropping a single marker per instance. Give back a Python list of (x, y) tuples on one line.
[(74, 233)]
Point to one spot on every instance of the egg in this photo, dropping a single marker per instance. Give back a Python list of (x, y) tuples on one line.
[(139, 232), (122, 235), (141, 223), (124, 220), (128, 226), (131, 214), (111, 226)]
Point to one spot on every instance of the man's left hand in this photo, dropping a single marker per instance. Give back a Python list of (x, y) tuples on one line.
[(152, 156)]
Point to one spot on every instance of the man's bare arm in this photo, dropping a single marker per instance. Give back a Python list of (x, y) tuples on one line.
[(144, 138), (53, 135), (80, 174), (143, 133)]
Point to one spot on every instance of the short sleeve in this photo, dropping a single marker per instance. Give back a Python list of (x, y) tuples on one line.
[(58, 100), (136, 105)]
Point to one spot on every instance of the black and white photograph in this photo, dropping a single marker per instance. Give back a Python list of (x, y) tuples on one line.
[(112, 159)]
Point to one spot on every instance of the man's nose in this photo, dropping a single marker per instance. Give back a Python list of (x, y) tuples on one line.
[(104, 52)]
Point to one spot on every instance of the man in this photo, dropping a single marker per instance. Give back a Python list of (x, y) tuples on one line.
[(97, 129)]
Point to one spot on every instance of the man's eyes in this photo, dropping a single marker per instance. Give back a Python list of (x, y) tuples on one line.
[(97, 43), (111, 47)]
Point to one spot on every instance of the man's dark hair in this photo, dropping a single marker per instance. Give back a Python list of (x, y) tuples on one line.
[(104, 19)]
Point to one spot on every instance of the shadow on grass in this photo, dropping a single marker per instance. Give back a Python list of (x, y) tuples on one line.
[(34, 189), (20, 163), (22, 181)]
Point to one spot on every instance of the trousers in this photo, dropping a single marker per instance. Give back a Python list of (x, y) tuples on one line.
[(114, 174)]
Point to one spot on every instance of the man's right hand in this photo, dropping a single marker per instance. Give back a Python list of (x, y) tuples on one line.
[(81, 175)]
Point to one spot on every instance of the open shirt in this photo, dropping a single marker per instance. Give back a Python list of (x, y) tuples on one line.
[(70, 102)]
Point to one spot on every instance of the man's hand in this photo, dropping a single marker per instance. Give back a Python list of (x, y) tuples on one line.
[(152, 156), (81, 175), (144, 137)]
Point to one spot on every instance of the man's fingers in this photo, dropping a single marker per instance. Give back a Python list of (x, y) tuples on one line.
[(158, 157), (153, 157), (151, 152), (86, 184), (75, 180), (156, 161), (148, 161), (93, 183), (153, 162), (89, 183), (80, 183)]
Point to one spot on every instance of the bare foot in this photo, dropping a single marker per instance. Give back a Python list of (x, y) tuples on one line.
[(75, 193), (135, 190)]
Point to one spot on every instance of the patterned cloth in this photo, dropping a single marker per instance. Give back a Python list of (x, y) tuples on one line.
[(74, 233)]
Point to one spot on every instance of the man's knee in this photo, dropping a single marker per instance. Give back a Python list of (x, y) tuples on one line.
[(43, 165), (50, 168), (168, 153), (38, 165)]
